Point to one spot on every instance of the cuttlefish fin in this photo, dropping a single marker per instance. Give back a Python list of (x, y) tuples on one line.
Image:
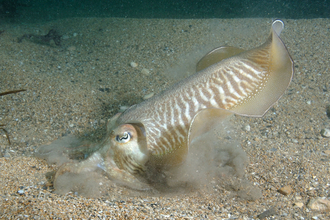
[(216, 55), (275, 57)]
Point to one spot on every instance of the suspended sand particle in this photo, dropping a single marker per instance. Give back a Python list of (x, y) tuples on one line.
[(145, 71), (133, 64), (148, 96)]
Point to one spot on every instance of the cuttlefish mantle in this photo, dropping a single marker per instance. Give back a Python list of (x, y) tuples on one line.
[(155, 135)]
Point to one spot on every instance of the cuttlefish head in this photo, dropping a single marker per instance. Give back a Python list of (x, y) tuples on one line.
[(129, 148)]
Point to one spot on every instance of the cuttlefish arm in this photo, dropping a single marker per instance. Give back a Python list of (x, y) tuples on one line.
[(106, 166), (109, 160)]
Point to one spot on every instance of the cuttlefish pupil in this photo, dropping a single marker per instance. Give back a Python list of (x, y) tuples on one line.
[(154, 136), (124, 138)]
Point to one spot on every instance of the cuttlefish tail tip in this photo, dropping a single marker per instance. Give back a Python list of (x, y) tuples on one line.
[(278, 26)]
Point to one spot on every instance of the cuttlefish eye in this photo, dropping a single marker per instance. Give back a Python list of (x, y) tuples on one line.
[(124, 137)]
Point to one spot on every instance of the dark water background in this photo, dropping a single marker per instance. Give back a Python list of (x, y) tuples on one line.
[(45, 10)]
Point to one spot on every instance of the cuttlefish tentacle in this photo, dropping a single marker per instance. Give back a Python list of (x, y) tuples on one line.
[(154, 135)]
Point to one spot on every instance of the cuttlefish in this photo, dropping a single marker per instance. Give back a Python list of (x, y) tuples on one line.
[(155, 135)]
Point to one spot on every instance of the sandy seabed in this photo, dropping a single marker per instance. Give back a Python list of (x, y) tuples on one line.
[(75, 87)]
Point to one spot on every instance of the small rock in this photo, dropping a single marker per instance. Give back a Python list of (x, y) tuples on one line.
[(285, 190), (327, 110), (123, 108), (71, 48), (148, 96), (319, 204), (65, 37), (133, 64), (327, 152), (20, 191), (267, 213), (295, 141), (325, 132), (299, 204), (6, 154), (145, 71), (247, 128)]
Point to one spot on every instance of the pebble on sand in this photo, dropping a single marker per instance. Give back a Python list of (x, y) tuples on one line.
[(327, 110), (148, 96), (325, 132), (145, 72), (299, 204), (133, 64), (285, 190), (327, 152), (71, 48), (247, 128), (123, 108), (319, 204)]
